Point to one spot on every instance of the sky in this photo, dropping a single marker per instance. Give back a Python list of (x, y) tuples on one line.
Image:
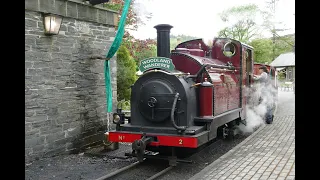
[(200, 18)]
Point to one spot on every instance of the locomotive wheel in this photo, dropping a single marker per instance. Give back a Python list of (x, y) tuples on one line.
[(231, 133), (228, 132)]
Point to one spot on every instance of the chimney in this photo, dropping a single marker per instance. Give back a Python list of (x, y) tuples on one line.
[(163, 40)]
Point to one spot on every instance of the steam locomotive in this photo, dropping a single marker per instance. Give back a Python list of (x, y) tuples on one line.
[(186, 98)]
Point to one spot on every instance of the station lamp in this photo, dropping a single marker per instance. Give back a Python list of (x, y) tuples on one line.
[(52, 24)]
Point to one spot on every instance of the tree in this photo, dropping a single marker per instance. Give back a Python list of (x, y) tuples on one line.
[(143, 53), (126, 73), (139, 49), (177, 39), (241, 20), (283, 44), (132, 50), (262, 50), (133, 20)]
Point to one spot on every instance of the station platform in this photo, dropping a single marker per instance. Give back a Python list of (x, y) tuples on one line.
[(267, 154)]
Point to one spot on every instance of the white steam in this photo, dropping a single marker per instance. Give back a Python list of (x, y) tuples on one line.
[(255, 111)]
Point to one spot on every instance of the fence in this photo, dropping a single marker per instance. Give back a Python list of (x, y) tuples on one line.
[(286, 85)]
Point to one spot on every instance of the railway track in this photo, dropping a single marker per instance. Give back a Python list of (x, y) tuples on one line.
[(118, 171), (137, 166)]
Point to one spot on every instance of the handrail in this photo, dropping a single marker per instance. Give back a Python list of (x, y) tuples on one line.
[(213, 66)]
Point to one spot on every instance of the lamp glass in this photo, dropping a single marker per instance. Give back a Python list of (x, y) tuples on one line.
[(52, 24)]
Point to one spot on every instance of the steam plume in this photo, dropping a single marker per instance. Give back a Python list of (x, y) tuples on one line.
[(255, 111)]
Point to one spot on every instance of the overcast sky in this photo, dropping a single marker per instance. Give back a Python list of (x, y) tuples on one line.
[(200, 18)]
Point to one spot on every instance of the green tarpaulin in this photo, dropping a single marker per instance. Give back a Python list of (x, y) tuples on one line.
[(114, 47)]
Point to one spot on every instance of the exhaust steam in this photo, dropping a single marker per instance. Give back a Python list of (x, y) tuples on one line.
[(260, 97)]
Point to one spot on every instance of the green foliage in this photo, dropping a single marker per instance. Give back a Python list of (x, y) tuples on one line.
[(124, 105), (183, 37), (112, 6), (284, 44), (241, 23), (140, 49), (243, 12), (126, 73), (131, 51), (262, 50), (132, 17), (175, 40), (151, 51), (227, 53), (281, 76)]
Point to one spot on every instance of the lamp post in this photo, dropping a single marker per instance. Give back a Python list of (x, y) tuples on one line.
[(52, 24)]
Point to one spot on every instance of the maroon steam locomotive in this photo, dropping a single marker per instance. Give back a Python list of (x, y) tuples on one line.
[(186, 98)]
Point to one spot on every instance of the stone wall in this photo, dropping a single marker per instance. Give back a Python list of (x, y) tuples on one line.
[(65, 100)]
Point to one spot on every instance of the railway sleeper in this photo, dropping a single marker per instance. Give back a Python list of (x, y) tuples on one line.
[(173, 159)]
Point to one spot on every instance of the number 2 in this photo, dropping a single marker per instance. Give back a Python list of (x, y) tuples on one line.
[(180, 141)]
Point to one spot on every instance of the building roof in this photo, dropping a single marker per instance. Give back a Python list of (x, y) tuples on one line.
[(284, 60)]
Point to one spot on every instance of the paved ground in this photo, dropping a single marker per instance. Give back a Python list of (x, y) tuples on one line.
[(80, 166), (286, 105), (269, 153)]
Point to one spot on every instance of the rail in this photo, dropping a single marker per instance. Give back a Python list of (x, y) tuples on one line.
[(160, 173), (117, 172)]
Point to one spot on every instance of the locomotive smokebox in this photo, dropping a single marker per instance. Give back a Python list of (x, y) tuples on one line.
[(163, 40), (205, 97)]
